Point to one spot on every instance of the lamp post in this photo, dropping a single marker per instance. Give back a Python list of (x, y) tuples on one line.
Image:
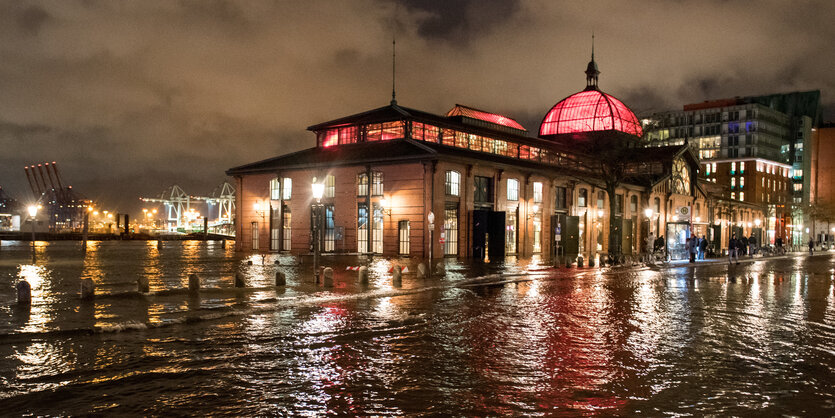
[(318, 190), (33, 210)]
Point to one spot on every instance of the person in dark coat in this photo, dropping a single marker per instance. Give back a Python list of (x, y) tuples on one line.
[(733, 248), (811, 246), (752, 241), (702, 247)]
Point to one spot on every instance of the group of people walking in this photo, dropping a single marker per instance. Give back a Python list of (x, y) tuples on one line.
[(696, 247), (741, 246)]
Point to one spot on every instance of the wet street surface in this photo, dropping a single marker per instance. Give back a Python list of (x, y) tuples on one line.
[(520, 339)]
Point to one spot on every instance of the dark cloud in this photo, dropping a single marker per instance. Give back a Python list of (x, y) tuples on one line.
[(131, 97)]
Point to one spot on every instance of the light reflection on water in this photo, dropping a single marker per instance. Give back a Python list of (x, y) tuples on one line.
[(711, 340)]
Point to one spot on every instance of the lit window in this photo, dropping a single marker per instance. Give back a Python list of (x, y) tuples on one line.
[(275, 189), (512, 189), (362, 184), (741, 195), (453, 182), (733, 182), (329, 186), (287, 188), (377, 183), (741, 182), (714, 168), (582, 198), (742, 166), (733, 196), (733, 167), (403, 233), (537, 192)]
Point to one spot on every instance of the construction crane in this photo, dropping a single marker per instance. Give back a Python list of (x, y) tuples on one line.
[(65, 208), (224, 197), (177, 202)]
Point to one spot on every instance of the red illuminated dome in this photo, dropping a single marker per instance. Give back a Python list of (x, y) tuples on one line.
[(589, 110)]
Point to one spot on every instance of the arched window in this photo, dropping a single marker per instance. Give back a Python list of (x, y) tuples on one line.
[(583, 198)]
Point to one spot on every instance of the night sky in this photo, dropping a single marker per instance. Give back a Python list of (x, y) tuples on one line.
[(131, 97)]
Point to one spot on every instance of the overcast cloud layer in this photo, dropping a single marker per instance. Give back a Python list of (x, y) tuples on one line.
[(131, 97)]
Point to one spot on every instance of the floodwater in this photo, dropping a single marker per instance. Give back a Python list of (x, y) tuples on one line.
[(530, 341)]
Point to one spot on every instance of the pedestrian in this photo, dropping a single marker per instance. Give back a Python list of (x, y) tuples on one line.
[(650, 243), (779, 243), (733, 247), (744, 244), (752, 241), (694, 248), (811, 246), (702, 247)]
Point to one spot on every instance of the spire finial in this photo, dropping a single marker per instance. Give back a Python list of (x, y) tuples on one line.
[(591, 70), (393, 55)]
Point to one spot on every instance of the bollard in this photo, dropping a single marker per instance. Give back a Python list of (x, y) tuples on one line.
[(591, 261), (142, 284), (280, 279), (239, 280), (87, 289), (440, 269), (421, 271), (24, 293), (362, 275), (276, 262), (193, 283), (327, 273), (568, 262), (396, 276), (579, 261), (159, 244)]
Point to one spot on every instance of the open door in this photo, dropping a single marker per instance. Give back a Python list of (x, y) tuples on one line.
[(496, 236), (479, 234)]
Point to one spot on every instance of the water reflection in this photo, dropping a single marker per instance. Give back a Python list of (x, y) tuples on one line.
[(679, 341)]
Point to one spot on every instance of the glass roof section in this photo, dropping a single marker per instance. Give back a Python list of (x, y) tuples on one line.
[(460, 110)]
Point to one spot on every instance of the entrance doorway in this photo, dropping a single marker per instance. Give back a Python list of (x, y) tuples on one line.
[(677, 234), (488, 235)]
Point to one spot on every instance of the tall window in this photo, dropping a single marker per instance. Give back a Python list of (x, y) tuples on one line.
[(377, 231), (275, 228), (403, 233), (559, 198), (633, 205), (601, 199), (254, 231), (510, 232), (537, 192), (582, 198), (362, 184), (287, 188), (618, 204), (512, 189), (451, 231), (741, 195), (733, 182), (286, 233), (483, 189), (330, 183), (537, 233), (377, 183), (741, 182), (362, 228), (275, 189), (452, 183), (330, 230)]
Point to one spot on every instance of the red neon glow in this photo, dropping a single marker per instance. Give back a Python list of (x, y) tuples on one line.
[(331, 138), (469, 112), (587, 111)]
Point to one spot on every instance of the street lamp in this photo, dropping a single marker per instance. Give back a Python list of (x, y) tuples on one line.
[(318, 190), (33, 210)]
